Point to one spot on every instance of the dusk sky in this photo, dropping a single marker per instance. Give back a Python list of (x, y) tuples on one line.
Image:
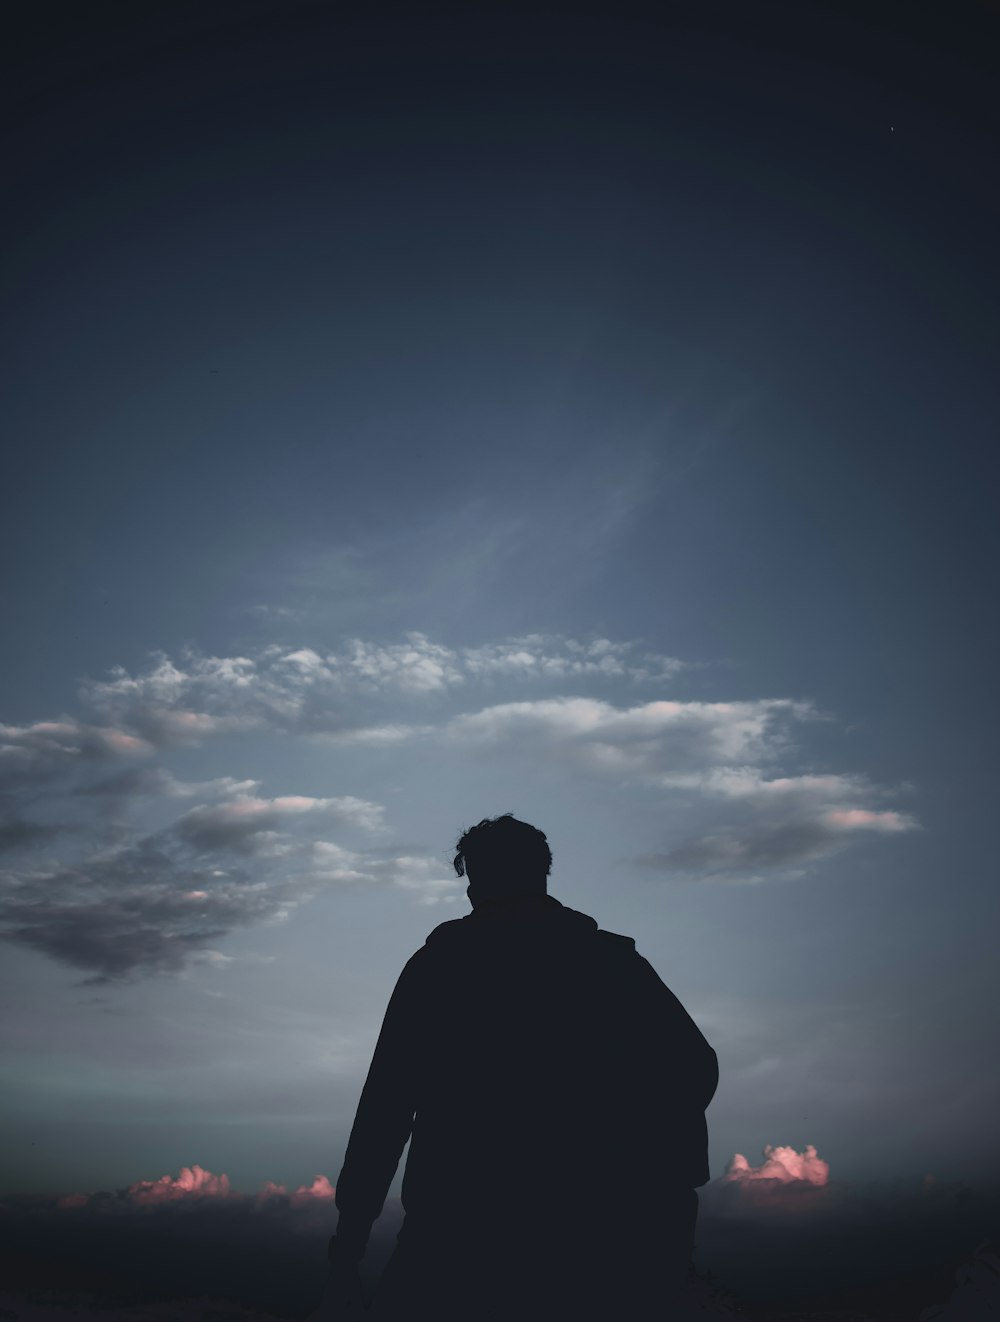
[(414, 419)]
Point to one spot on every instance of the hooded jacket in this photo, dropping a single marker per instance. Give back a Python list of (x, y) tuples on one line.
[(538, 1065)]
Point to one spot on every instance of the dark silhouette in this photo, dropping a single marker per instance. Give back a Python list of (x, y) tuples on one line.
[(555, 1091)]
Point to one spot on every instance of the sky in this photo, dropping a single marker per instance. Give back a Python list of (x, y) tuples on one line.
[(416, 417)]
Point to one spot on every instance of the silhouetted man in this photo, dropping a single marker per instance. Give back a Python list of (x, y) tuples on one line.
[(555, 1091)]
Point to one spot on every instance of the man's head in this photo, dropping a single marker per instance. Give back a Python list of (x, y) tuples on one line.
[(503, 857)]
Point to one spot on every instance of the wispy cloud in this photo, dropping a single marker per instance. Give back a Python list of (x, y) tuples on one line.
[(721, 759), (29, 753), (649, 740), (162, 902), (244, 821), (774, 824), (300, 689), (143, 907)]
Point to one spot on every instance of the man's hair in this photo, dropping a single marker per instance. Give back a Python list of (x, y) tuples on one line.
[(505, 845)]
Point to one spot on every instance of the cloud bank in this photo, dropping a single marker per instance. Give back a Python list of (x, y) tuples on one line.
[(300, 689), (781, 1166), (117, 865), (193, 1184)]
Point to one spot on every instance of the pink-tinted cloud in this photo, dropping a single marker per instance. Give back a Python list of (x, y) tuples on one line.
[(316, 1197), (782, 1164), (321, 1188), (863, 819), (269, 1190), (193, 1181)]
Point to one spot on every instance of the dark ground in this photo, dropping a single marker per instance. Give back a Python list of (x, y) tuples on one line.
[(886, 1255)]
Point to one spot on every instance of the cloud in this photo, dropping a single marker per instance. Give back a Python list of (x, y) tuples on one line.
[(650, 739), (106, 877), (156, 782), (170, 703), (776, 824), (712, 760), (123, 910), (154, 905), (376, 736), (716, 753), (787, 1183), (29, 753), (270, 1191), (539, 656), (321, 1190), (751, 852), (417, 666), (162, 902), (863, 819), (300, 689), (194, 1184), (783, 1164), (246, 823), (421, 874)]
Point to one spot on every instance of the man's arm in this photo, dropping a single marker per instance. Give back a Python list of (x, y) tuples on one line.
[(697, 1059), (683, 1079), (383, 1121)]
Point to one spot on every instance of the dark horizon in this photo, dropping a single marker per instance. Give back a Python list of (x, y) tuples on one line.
[(884, 1252)]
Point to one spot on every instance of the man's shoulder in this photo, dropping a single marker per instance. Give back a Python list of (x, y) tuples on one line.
[(453, 929), (623, 945)]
